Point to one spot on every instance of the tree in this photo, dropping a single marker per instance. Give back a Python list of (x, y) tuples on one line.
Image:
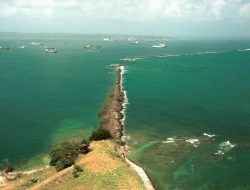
[(84, 146), (99, 134), (64, 155), (76, 170)]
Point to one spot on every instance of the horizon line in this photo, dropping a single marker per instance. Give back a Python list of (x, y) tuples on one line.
[(110, 34)]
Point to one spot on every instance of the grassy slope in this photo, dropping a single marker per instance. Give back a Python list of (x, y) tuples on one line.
[(103, 169)]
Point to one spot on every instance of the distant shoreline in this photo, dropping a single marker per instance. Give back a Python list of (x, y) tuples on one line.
[(123, 35)]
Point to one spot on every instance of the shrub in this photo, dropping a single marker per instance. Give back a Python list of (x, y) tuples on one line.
[(29, 182), (84, 141), (100, 134), (84, 146), (77, 169), (63, 155)]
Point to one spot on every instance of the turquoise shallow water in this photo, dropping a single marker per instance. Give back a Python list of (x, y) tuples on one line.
[(183, 97), (48, 98)]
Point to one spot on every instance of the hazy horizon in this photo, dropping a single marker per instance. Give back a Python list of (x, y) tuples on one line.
[(104, 35), (187, 18)]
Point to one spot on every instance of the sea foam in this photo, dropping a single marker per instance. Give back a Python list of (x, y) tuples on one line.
[(194, 142), (169, 140), (125, 97), (225, 147), (208, 135)]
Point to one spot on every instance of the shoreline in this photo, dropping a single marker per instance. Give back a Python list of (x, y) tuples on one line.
[(116, 105), (112, 113)]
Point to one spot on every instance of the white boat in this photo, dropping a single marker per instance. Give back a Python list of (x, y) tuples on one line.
[(35, 43), (50, 50), (128, 59), (21, 47), (108, 39), (93, 47), (134, 42), (89, 46), (159, 46)]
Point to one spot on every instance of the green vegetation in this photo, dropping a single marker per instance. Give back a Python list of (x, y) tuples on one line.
[(77, 169), (65, 154), (84, 141), (100, 134), (84, 146), (28, 183), (102, 169)]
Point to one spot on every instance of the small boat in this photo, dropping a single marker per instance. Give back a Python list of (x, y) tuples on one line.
[(4, 48), (128, 59), (108, 39), (159, 46), (35, 43), (21, 47), (134, 42), (50, 50), (93, 47)]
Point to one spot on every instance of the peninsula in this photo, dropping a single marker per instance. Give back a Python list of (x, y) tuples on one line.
[(106, 166)]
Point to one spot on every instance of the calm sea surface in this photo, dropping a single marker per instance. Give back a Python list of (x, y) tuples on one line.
[(173, 100)]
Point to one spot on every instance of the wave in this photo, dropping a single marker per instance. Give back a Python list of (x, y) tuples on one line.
[(125, 99), (125, 138), (194, 142), (208, 135), (172, 140), (169, 140), (225, 147)]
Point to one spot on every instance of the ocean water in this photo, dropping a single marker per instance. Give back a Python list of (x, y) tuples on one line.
[(204, 88), (48, 98)]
